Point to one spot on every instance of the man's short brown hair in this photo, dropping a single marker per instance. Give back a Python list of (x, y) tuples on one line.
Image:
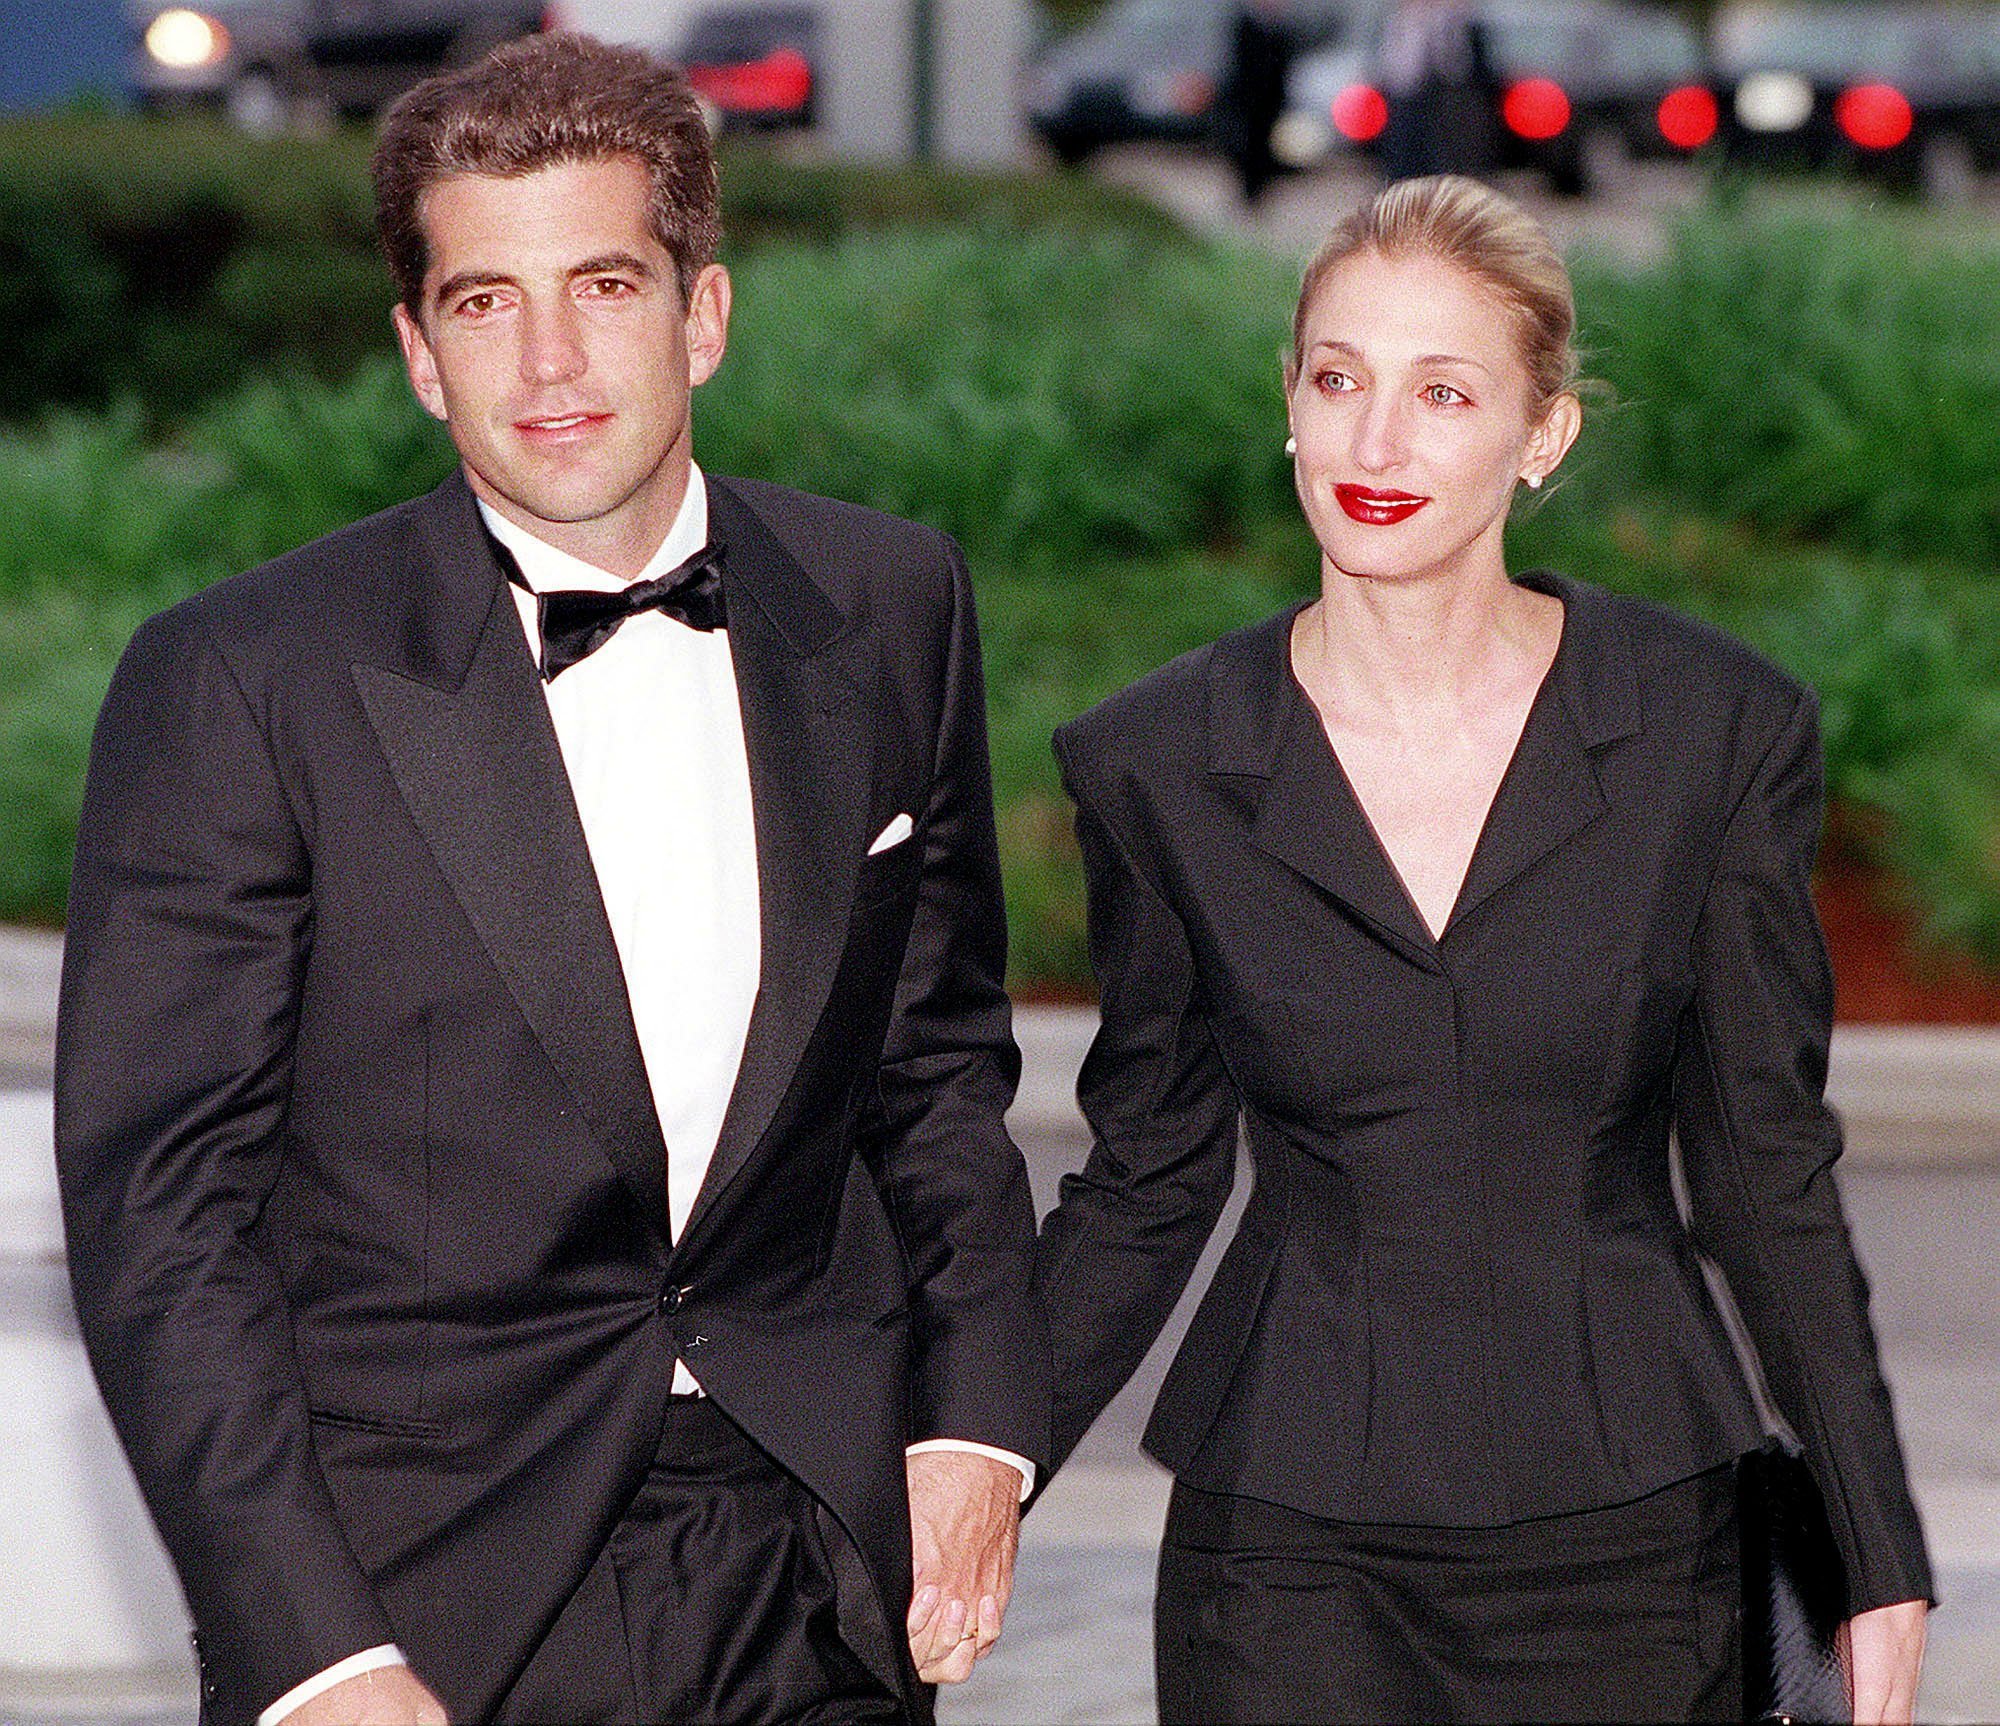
[(545, 102)]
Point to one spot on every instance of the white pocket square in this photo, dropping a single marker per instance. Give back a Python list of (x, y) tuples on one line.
[(894, 834)]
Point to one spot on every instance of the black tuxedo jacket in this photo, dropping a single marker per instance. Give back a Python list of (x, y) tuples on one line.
[(1463, 1293), (365, 1189)]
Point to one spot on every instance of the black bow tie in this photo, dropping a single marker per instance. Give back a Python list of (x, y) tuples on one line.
[(576, 622)]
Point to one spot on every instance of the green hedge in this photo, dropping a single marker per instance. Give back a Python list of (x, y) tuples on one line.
[(1827, 377), (1098, 419), (162, 262)]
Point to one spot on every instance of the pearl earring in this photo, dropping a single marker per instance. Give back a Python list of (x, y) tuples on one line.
[(1534, 481), (1291, 446)]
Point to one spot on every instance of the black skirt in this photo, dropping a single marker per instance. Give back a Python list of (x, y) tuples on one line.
[(1630, 1613)]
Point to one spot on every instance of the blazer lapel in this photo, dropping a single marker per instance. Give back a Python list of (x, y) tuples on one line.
[(1551, 791), (806, 733), (474, 753), (1261, 725)]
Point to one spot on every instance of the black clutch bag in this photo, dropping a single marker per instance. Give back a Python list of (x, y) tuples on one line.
[(1794, 1593)]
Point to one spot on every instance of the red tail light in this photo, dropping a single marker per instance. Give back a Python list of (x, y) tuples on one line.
[(780, 83), (1688, 117), (1535, 109), (1360, 112), (1873, 116), (1191, 93)]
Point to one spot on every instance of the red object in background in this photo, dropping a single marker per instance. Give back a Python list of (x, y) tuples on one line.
[(1883, 974), (1536, 109), (1360, 113), (1688, 117), (780, 83), (1191, 93), (1873, 116)]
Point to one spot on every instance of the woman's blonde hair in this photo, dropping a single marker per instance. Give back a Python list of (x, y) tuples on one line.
[(1490, 237)]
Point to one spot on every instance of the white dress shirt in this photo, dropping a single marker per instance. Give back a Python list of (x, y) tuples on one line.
[(652, 739)]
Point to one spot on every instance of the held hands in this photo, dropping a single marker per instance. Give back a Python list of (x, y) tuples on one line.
[(388, 1696), (965, 1519), (1885, 1652)]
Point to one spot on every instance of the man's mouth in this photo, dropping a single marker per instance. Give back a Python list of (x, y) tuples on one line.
[(555, 425)]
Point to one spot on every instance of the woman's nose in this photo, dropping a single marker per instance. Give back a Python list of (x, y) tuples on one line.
[(1381, 435)]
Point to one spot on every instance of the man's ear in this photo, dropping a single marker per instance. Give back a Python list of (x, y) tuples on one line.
[(707, 323), (419, 361)]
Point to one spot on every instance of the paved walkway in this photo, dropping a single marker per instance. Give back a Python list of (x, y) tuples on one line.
[(29, 961)]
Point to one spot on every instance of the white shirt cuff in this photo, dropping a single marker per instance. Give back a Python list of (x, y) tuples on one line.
[(368, 1660), (992, 1451)]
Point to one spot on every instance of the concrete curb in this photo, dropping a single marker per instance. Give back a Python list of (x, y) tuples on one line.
[(30, 967)]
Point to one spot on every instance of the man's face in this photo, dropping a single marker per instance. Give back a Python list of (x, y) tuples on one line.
[(554, 343)]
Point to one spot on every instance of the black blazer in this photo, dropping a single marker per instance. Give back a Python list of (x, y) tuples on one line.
[(1462, 1293), (364, 1185)]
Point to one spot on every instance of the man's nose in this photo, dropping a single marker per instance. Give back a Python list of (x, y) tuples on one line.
[(551, 343)]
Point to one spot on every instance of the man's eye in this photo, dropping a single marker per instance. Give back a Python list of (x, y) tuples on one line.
[(478, 304), (608, 287)]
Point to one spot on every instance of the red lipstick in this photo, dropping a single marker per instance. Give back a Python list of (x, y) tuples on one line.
[(1378, 508)]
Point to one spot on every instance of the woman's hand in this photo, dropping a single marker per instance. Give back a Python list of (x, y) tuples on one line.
[(1885, 1652)]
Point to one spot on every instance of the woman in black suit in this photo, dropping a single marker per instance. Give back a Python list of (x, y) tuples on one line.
[(1464, 892)]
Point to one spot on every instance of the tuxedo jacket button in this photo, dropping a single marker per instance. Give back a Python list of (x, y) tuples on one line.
[(673, 1299)]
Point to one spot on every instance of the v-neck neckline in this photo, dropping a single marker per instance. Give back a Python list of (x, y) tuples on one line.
[(1529, 728)]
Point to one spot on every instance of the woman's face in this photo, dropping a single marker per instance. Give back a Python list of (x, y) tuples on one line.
[(1411, 411)]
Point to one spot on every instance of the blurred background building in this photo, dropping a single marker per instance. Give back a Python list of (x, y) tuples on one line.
[(56, 54)]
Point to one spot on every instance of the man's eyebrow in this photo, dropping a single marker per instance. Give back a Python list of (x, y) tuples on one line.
[(468, 279), (609, 263), (605, 263)]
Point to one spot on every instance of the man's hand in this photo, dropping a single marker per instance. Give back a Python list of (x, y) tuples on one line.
[(388, 1696), (965, 1521), (1885, 1652)]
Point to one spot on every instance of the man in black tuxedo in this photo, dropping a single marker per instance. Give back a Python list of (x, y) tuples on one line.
[(533, 1051)]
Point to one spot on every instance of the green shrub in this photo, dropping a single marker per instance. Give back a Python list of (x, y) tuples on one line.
[(1828, 377), (1097, 418), (163, 261), (1051, 401)]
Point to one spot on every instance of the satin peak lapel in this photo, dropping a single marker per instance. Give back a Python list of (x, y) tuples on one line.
[(482, 773), (806, 733)]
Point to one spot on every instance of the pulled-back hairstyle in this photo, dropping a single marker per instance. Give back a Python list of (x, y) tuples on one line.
[(1488, 236), (543, 102)]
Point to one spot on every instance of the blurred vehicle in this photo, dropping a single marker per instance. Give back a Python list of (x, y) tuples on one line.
[(273, 64), (1151, 70), (1573, 87), (754, 65), (1909, 95)]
